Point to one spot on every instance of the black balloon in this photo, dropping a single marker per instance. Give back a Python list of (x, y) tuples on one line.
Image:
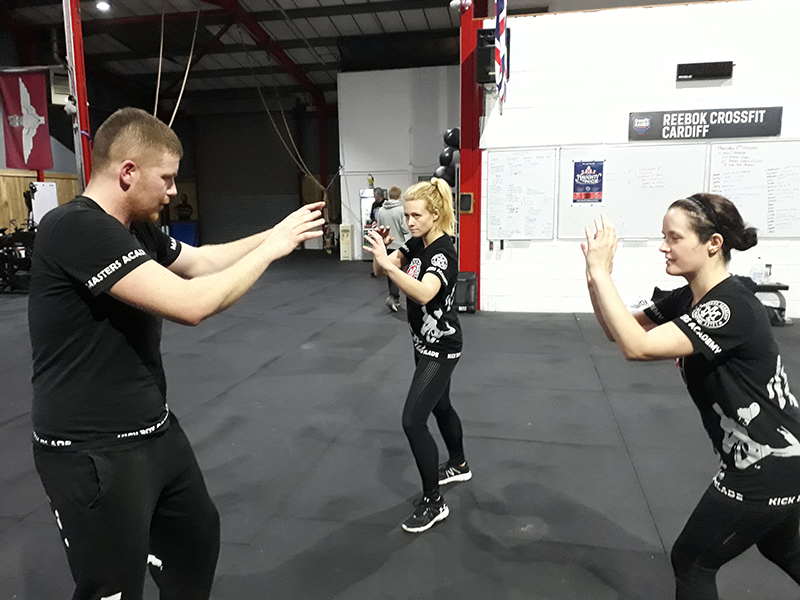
[(447, 173), (452, 137), (446, 157)]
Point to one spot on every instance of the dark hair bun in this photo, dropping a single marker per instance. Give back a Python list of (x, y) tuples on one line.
[(748, 239)]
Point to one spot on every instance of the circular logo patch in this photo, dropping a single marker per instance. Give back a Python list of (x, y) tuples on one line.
[(712, 314), (440, 261), (414, 267)]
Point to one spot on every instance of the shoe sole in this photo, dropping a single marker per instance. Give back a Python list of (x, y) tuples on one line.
[(440, 517), (454, 478)]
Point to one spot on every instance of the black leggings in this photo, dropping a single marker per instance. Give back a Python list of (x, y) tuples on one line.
[(430, 392), (394, 291), (122, 509), (719, 530)]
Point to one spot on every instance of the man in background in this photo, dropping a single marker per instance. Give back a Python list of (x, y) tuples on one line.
[(391, 215)]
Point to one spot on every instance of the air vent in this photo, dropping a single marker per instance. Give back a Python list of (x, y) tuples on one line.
[(59, 87)]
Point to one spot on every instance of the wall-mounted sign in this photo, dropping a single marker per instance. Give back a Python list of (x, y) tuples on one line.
[(705, 124), (588, 182)]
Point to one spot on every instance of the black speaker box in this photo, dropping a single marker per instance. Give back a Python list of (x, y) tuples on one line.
[(467, 292), (485, 55), (466, 204), (699, 71)]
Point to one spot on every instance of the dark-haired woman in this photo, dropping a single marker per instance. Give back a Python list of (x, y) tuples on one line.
[(426, 269), (733, 370)]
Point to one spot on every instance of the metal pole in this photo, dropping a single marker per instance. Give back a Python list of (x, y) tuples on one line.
[(77, 86)]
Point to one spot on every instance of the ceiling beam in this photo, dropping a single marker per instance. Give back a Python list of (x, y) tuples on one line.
[(432, 34), (215, 16), (522, 11), (251, 92), (240, 72), (215, 41), (208, 17), (220, 49), (274, 48)]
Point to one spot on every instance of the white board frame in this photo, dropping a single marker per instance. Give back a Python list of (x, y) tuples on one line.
[(640, 182), (534, 218)]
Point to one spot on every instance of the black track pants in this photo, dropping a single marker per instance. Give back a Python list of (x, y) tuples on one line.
[(430, 393), (120, 510), (719, 530), (394, 291)]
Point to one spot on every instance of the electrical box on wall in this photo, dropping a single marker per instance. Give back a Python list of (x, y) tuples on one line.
[(704, 71), (485, 55), (346, 242)]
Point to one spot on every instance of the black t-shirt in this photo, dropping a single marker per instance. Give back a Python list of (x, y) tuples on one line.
[(435, 329), (97, 379), (737, 380)]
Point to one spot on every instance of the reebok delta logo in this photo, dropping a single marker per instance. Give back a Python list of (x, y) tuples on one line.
[(712, 314)]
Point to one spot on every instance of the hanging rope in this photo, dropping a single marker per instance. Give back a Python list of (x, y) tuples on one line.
[(188, 66), (160, 58), (298, 160)]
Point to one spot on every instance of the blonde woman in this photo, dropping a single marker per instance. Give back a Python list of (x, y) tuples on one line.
[(425, 268)]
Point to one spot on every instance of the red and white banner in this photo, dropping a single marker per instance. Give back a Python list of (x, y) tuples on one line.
[(25, 126), (500, 45)]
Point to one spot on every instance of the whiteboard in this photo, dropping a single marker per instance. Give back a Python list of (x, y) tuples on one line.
[(44, 200), (640, 182), (521, 194), (763, 181)]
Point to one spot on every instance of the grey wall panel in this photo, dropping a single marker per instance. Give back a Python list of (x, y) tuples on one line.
[(231, 217), (246, 180)]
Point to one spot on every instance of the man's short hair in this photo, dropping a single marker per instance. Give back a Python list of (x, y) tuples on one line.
[(131, 133), (378, 192), (395, 193)]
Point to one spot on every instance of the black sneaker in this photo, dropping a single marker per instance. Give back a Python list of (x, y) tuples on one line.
[(450, 473), (392, 303), (427, 513)]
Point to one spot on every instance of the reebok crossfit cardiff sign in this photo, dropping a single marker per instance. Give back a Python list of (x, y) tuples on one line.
[(705, 124)]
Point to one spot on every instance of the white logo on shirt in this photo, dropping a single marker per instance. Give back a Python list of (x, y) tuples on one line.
[(439, 260), (737, 442), (430, 325), (748, 414), (778, 387), (414, 268), (712, 314), (173, 243)]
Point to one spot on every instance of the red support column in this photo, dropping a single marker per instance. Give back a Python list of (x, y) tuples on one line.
[(471, 112), (39, 175)]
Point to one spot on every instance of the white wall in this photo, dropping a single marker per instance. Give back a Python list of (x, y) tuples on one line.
[(391, 125), (575, 79)]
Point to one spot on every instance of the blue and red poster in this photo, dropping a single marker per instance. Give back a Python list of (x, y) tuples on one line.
[(588, 182)]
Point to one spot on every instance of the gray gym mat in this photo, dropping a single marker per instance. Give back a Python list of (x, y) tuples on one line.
[(586, 466)]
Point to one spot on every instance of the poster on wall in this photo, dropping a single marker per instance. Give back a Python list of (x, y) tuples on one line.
[(588, 182)]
